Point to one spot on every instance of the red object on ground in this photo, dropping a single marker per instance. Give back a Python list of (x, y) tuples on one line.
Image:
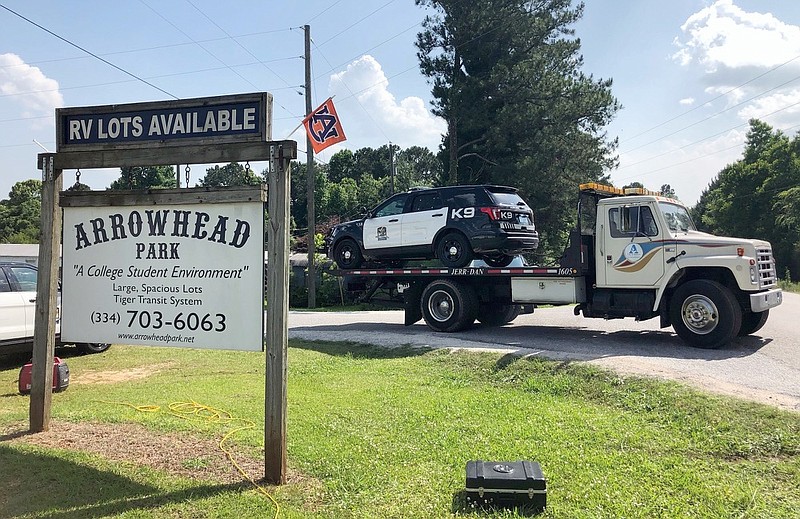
[(60, 376)]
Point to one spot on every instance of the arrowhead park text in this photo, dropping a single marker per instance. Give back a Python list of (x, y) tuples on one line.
[(156, 223)]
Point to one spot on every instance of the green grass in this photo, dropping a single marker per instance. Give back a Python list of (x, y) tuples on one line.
[(789, 286), (387, 433)]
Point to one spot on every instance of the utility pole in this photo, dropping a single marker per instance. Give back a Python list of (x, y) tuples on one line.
[(311, 276), (392, 168)]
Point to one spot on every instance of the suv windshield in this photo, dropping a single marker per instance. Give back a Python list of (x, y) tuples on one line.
[(677, 217)]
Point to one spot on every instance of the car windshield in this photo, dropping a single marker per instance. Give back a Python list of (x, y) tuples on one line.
[(677, 217)]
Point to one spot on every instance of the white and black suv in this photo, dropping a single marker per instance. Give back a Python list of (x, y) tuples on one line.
[(454, 224), (18, 310)]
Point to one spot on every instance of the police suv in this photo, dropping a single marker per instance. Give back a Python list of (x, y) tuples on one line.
[(454, 224)]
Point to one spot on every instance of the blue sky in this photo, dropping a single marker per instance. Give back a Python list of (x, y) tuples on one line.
[(689, 73)]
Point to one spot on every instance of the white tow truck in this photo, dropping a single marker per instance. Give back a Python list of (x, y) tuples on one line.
[(633, 253)]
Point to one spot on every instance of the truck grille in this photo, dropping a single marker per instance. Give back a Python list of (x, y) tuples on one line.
[(766, 268)]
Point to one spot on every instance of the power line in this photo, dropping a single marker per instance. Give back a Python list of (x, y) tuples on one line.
[(355, 23), (48, 31)]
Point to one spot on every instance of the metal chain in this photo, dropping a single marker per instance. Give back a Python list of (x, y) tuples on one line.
[(188, 169), (78, 176), (247, 167)]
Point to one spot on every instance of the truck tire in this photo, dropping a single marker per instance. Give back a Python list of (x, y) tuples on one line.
[(705, 314), (752, 322), (453, 250), (449, 306), (497, 315), (347, 254)]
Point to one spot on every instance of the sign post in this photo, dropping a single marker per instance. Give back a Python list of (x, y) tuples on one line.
[(44, 336)]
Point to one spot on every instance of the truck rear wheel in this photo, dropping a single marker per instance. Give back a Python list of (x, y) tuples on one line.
[(705, 314), (497, 315), (752, 322), (448, 306)]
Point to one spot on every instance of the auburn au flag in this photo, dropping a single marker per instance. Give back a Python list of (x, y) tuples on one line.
[(324, 127)]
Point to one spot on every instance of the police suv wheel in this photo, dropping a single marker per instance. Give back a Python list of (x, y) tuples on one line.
[(347, 254), (449, 306), (453, 250)]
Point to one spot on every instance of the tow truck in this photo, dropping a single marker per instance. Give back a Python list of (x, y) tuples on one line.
[(633, 253)]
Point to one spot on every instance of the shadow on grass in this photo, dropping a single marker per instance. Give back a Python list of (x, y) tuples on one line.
[(358, 350), (462, 506), (40, 485)]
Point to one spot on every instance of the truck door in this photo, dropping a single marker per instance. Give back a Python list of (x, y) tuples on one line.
[(383, 228), (632, 249)]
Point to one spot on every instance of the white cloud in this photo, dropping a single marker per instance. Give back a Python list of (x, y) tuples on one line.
[(372, 116), (779, 110), (32, 91), (688, 101), (724, 35)]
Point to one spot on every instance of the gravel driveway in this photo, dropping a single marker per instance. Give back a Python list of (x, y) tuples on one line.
[(764, 367)]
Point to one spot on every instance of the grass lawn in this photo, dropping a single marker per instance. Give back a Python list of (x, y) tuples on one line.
[(387, 433)]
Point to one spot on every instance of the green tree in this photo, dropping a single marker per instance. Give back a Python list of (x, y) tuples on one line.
[(151, 177), (507, 79), (757, 196), (20, 214), (233, 174)]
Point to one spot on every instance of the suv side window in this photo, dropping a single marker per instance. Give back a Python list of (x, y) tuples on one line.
[(25, 277), (463, 199), (392, 206), (427, 202)]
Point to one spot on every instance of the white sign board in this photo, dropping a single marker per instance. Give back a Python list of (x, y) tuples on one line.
[(171, 275)]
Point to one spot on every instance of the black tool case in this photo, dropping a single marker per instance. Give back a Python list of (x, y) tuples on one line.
[(506, 484)]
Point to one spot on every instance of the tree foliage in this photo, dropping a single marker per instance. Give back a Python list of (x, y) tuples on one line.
[(151, 177), (758, 196), (20, 214), (506, 77), (233, 174)]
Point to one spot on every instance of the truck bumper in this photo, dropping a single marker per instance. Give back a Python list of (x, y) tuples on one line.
[(766, 300)]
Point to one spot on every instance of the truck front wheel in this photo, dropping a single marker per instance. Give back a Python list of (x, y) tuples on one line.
[(705, 314), (752, 322), (449, 306)]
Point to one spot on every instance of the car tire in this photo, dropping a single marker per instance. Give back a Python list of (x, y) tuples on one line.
[(347, 254), (453, 250), (92, 347), (498, 260)]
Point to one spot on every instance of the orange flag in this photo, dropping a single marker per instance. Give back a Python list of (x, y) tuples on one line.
[(324, 127)]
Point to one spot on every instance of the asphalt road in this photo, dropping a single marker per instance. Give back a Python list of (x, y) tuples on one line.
[(764, 367)]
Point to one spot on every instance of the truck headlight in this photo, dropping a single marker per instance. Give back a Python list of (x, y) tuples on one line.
[(753, 276)]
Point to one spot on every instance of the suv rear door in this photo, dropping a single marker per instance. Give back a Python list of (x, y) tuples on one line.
[(426, 217)]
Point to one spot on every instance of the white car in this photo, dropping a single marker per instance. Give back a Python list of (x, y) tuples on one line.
[(18, 310)]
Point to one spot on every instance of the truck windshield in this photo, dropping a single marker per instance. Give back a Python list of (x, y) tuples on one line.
[(677, 217)]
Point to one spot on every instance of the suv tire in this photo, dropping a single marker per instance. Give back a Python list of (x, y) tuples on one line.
[(347, 254), (453, 250)]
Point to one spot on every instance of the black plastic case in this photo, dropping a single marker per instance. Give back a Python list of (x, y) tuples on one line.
[(506, 484)]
